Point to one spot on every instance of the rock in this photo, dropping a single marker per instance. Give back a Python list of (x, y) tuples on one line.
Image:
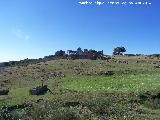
[(4, 92), (40, 90)]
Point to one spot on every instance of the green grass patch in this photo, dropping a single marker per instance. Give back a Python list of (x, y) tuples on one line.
[(124, 83)]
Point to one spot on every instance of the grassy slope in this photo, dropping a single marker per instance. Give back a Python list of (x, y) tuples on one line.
[(82, 82)]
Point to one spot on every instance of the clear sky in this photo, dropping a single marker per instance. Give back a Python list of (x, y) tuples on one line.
[(36, 28)]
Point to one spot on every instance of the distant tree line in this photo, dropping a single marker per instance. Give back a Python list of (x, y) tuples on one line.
[(78, 54), (154, 55)]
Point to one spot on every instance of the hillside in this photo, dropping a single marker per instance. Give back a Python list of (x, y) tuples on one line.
[(123, 88)]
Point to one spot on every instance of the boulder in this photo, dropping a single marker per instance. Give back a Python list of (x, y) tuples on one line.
[(4, 91), (39, 90)]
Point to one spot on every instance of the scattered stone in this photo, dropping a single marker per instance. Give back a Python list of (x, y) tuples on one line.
[(57, 74), (157, 66)]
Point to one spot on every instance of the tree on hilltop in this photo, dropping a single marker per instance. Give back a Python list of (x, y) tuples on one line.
[(119, 50)]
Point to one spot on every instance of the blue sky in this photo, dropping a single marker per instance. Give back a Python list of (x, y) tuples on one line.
[(36, 28)]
